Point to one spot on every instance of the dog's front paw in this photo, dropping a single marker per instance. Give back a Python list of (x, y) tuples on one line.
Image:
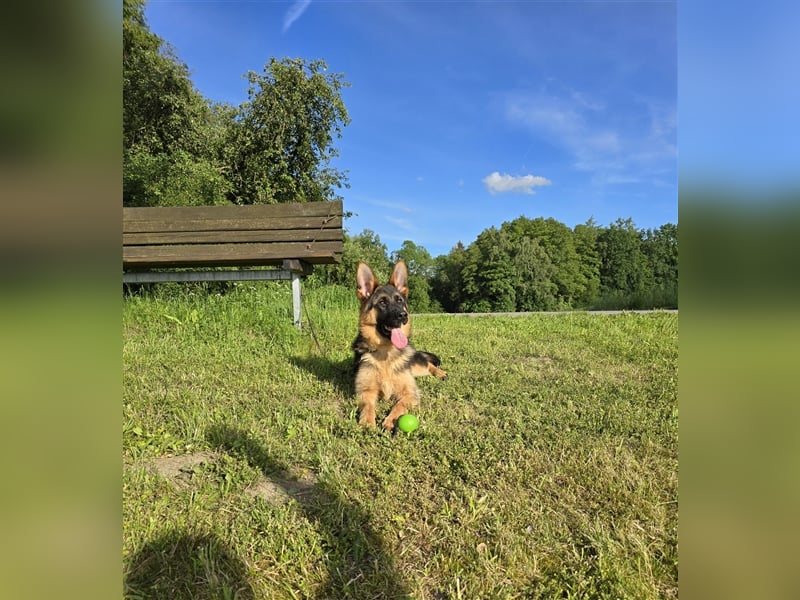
[(437, 372), (367, 418), (388, 423)]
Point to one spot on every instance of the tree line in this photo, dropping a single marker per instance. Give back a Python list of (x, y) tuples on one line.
[(180, 148), (529, 264)]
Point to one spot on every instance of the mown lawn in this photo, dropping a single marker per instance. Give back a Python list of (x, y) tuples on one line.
[(544, 467)]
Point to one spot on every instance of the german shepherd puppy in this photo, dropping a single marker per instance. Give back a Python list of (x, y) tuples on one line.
[(386, 364)]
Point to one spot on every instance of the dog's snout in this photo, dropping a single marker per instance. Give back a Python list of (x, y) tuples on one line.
[(397, 316)]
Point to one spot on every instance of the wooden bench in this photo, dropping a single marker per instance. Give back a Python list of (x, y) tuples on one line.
[(292, 237)]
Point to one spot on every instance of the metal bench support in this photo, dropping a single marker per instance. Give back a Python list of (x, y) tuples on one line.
[(293, 270)]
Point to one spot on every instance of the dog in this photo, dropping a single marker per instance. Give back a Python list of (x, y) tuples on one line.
[(386, 363)]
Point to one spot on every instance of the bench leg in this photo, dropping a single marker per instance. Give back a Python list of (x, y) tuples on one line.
[(296, 299)]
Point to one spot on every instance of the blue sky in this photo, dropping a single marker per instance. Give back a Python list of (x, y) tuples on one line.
[(468, 114)]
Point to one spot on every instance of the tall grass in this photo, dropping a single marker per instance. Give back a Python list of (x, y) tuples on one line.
[(545, 466), (664, 297)]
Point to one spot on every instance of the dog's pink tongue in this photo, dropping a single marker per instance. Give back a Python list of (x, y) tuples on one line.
[(399, 339)]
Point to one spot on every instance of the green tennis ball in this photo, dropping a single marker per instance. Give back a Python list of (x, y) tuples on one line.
[(407, 423)]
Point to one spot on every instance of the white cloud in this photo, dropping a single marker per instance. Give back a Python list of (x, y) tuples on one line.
[(569, 123), (401, 223), (614, 145), (621, 179), (393, 205), (498, 184), (295, 11)]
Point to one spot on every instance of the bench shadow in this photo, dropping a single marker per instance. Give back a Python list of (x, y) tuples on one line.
[(177, 566), (341, 373), (356, 560)]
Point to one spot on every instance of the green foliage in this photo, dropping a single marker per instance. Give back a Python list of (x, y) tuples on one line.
[(488, 275), (170, 132), (364, 247), (624, 269), (557, 240), (420, 266), (447, 283), (180, 148), (586, 246), (417, 258), (511, 269), (541, 265), (535, 277), (660, 246), (176, 179), (159, 99), (280, 144)]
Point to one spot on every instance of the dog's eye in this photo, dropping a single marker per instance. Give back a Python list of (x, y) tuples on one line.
[(399, 299), (382, 302)]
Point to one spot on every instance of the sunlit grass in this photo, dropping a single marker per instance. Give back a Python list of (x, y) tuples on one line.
[(545, 466)]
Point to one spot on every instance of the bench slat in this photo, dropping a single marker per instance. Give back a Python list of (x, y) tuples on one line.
[(222, 237), (272, 211), (240, 223), (211, 255)]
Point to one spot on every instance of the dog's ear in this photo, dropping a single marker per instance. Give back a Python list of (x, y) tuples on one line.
[(399, 278), (366, 282)]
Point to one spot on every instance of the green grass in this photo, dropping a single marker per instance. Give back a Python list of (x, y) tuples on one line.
[(544, 467)]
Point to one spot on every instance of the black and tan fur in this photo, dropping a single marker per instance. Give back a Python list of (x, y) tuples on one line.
[(382, 369)]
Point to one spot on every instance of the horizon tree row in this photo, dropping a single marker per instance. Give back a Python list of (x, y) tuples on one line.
[(528, 264)]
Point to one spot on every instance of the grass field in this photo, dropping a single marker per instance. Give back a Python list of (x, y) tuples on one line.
[(544, 467)]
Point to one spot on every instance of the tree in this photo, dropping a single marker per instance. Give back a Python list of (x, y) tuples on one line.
[(534, 273), (176, 179), (160, 105), (365, 246), (624, 270), (418, 259), (280, 145), (420, 270), (585, 236), (557, 241), (447, 284), (168, 127), (488, 274), (660, 246), (180, 148)]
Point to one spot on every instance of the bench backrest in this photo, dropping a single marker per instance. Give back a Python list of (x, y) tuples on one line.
[(209, 236)]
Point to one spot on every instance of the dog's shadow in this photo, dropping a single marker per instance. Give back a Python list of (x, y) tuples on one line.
[(355, 553), (187, 567), (339, 373)]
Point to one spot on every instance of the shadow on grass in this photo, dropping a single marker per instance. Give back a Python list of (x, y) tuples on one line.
[(184, 567), (341, 374), (356, 560)]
